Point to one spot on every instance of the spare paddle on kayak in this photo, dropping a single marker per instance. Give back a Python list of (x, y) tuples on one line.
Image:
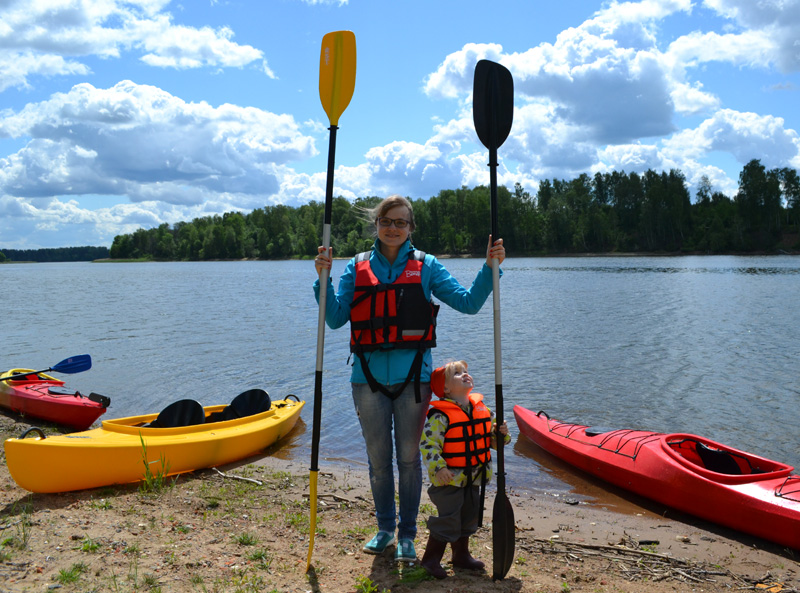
[(492, 113), (337, 80), (36, 394), (68, 366)]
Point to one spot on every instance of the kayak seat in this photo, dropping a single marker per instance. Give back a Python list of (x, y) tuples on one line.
[(184, 412), (252, 401), (247, 403), (718, 461)]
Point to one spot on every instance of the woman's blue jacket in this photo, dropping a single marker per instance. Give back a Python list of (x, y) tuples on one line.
[(391, 367)]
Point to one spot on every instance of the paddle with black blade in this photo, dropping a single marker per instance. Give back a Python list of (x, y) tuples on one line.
[(492, 113), (68, 366), (337, 80)]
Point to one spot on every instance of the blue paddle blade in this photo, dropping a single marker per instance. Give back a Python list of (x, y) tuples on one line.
[(74, 364)]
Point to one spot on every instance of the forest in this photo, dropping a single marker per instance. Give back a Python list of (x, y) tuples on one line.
[(614, 212), (610, 212), (59, 254)]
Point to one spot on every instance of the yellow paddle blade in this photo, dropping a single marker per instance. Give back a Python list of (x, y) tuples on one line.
[(337, 73), (312, 522)]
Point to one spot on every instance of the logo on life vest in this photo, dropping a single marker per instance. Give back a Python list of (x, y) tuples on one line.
[(412, 273)]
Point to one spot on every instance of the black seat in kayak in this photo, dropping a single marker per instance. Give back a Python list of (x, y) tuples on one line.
[(184, 412), (252, 401), (247, 403), (718, 461)]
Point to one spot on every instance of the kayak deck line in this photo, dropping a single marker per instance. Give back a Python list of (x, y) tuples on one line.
[(697, 454), (795, 491)]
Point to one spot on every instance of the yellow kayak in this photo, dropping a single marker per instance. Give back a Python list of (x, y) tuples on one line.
[(115, 453)]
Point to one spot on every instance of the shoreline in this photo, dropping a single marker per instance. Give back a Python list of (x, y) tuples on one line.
[(244, 527)]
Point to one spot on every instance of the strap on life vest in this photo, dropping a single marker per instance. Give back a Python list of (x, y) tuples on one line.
[(415, 372)]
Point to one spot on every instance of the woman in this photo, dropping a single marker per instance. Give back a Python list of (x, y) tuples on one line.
[(386, 295)]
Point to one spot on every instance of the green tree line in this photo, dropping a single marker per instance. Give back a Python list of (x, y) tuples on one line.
[(609, 212), (57, 254)]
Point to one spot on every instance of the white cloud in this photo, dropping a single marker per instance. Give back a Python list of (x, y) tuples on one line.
[(746, 136), (777, 20), (142, 142), (36, 37), (453, 77)]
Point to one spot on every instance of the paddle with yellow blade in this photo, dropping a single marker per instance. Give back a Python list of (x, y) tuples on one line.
[(492, 113), (337, 79)]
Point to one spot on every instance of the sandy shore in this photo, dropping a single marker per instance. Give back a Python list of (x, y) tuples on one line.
[(247, 530)]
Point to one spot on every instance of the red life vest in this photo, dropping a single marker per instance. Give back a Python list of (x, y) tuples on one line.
[(467, 441), (396, 315)]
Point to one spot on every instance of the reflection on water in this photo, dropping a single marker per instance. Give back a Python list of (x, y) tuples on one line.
[(289, 447)]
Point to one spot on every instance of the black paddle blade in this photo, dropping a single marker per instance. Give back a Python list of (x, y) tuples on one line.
[(492, 103), (503, 536), (74, 364)]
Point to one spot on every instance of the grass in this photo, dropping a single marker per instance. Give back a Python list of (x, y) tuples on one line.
[(246, 539), (365, 585), (72, 574), (101, 505), (153, 483), (20, 537), (358, 532), (89, 545), (412, 575), (263, 558)]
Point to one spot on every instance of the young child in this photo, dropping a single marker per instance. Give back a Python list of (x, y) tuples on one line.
[(458, 433)]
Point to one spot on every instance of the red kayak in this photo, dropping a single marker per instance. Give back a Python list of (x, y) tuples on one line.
[(686, 472), (44, 397)]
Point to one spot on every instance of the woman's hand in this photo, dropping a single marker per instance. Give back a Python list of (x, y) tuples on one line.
[(323, 260), (496, 251), (443, 477)]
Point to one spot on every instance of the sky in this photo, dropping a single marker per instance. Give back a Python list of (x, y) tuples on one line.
[(117, 115)]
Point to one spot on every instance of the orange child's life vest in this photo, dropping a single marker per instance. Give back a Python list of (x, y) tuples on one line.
[(467, 442), (396, 315)]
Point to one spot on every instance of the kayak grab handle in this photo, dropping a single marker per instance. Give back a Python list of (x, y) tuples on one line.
[(103, 400), (540, 412), (33, 429)]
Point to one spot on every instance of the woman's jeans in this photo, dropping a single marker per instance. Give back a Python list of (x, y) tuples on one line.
[(379, 416)]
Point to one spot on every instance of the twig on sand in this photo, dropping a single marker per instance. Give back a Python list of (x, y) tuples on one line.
[(232, 477), (643, 565), (335, 497)]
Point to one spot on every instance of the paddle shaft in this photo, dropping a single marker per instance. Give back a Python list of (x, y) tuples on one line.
[(21, 376), (498, 350), (323, 301)]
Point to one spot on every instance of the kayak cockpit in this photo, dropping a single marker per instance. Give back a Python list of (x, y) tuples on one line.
[(22, 376), (720, 463)]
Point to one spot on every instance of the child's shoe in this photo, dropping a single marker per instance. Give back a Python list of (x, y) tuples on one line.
[(462, 558), (432, 558)]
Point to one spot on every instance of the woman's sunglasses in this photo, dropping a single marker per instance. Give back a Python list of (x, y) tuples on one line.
[(399, 223)]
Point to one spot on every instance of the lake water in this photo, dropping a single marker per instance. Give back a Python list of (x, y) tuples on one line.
[(706, 345)]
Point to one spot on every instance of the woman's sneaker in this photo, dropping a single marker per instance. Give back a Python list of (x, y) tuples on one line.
[(379, 543), (405, 551)]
